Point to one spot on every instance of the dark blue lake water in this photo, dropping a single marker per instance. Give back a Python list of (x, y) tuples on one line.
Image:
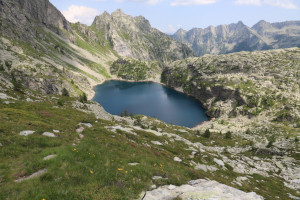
[(151, 99)]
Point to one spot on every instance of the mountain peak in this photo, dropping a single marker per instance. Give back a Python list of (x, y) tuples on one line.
[(118, 12), (261, 25)]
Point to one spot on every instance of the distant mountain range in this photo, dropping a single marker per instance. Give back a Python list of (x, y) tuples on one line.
[(239, 37)]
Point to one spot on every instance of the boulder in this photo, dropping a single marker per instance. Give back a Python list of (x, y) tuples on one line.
[(176, 159), (48, 134), (219, 162), (26, 133)]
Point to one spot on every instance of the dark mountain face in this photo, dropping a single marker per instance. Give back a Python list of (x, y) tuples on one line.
[(21, 19), (239, 37)]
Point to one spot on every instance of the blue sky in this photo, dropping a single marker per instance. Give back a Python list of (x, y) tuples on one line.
[(170, 15)]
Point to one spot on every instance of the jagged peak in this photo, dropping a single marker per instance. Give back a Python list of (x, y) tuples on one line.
[(261, 23), (118, 12), (104, 16)]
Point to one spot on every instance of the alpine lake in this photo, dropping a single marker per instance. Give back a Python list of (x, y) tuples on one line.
[(151, 99)]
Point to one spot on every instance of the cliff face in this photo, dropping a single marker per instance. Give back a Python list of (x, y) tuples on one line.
[(239, 37), (20, 19), (134, 37), (43, 52)]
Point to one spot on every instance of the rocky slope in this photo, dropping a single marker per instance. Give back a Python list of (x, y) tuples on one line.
[(239, 37), (41, 50), (242, 84), (134, 37)]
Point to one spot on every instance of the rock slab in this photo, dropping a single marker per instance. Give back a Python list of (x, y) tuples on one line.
[(199, 190)]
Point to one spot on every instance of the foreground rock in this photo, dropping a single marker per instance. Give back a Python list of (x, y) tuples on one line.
[(200, 189), (49, 157), (38, 173), (26, 133), (48, 134)]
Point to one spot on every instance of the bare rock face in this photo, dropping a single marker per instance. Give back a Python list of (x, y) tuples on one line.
[(134, 37), (18, 17)]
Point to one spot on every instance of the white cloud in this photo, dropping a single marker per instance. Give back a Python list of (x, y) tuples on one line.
[(150, 2), (192, 2), (81, 14), (248, 2), (287, 4)]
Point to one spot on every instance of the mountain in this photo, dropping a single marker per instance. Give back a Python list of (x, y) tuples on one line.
[(239, 37), (134, 37), (279, 35)]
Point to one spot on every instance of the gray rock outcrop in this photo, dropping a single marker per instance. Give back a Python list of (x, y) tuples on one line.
[(200, 189)]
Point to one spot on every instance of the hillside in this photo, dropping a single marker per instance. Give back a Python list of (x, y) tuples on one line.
[(239, 37)]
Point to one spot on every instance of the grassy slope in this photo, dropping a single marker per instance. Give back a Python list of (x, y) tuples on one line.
[(97, 168)]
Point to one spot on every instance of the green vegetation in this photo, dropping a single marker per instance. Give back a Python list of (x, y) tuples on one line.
[(132, 69), (17, 86), (65, 92), (228, 135), (207, 133), (83, 98)]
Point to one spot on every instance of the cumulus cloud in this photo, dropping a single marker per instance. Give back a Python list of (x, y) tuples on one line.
[(287, 4), (150, 2), (192, 2), (81, 14)]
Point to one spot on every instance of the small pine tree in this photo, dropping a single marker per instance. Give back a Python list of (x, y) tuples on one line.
[(83, 98), (60, 102), (138, 122), (248, 132), (65, 92), (270, 144), (131, 115), (207, 133), (228, 135), (17, 85), (126, 113)]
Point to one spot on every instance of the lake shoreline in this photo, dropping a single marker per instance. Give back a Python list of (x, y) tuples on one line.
[(180, 90)]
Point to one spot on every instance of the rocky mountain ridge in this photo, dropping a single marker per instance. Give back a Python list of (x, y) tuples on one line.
[(134, 37), (239, 37)]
